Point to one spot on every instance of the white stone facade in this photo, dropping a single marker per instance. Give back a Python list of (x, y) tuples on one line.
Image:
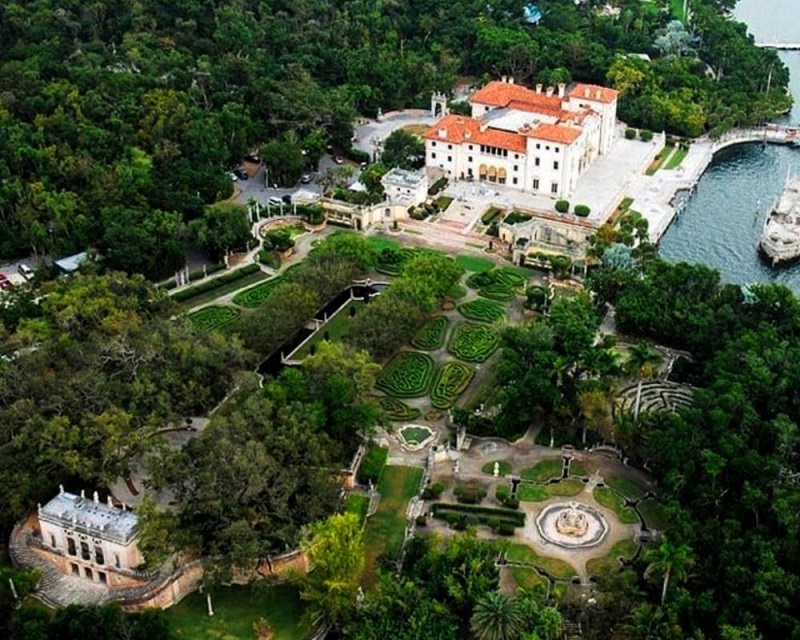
[(537, 141), (408, 188)]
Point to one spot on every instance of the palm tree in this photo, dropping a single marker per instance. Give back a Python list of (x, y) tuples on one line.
[(496, 617), (670, 560), (642, 360)]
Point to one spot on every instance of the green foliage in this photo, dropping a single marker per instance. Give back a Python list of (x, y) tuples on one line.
[(544, 470), (490, 215), (646, 135), (474, 263), (403, 149), (452, 380), (562, 206), (482, 310), (504, 468), (188, 293), (397, 410), (441, 510), (469, 493), (213, 317), (408, 375), (611, 500), (630, 134), (437, 186), (224, 227), (582, 210), (473, 342), (372, 464), (517, 216), (499, 292), (432, 335), (259, 294)]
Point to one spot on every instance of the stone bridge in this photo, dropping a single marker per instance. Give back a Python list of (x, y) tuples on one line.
[(773, 134)]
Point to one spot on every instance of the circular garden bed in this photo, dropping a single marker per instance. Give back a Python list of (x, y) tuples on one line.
[(407, 375), (482, 311), (397, 410), (473, 342), (257, 295), (214, 317), (453, 378), (431, 336)]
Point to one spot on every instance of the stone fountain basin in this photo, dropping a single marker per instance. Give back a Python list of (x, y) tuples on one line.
[(596, 528)]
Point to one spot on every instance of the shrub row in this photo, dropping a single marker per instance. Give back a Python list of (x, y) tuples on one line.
[(372, 464), (490, 215), (269, 258), (437, 186), (431, 336), (256, 295), (511, 516), (407, 375), (499, 292), (453, 378), (214, 317), (214, 283), (433, 492), (399, 411), (473, 342), (517, 216), (469, 493), (357, 155), (482, 311), (199, 274)]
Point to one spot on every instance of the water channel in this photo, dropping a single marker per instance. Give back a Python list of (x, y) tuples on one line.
[(721, 223)]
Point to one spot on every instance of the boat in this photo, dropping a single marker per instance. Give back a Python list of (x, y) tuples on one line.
[(780, 239)]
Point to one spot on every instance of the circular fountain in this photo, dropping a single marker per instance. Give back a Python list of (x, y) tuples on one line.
[(572, 525)]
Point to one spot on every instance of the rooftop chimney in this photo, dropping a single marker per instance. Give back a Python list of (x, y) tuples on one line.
[(538, 88), (587, 92), (484, 126), (504, 78), (511, 80), (549, 91), (467, 135), (599, 94), (96, 498), (442, 133), (561, 88)]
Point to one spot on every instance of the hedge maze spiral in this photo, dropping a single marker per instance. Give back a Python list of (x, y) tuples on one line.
[(257, 295), (482, 311), (408, 375), (453, 378), (398, 411), (214, 317), (498, 292), (431, 336), (473, 342)]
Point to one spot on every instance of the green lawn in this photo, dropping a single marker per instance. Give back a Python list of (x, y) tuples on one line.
[(532, 493), (676, 158), (443, 202), (504, 468), (336, 327), (529, 579), (568, 487), (559, 569), (540, 493), (386, 527), (544, 470), (358, 504), (611, 500), (629, 489), (236, 609), (225, 289), (654, 514), (474, 263), (379, 243), (622, 549), (577, 469)]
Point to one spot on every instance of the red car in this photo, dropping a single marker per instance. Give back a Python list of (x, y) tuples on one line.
[(5, 283)]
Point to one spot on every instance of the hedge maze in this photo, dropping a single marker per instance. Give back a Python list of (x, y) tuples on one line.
[(473, 342), (656, 395), (398, 411), (214, 317), (257, 295), (482, 311), (498, 284), (498, 292), (431, 336), (453, 378), (407, 375)]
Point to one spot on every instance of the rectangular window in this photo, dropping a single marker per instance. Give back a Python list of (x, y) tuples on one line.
[(516, 167), (433, 155), (536, 162), (516, 156), (536, 184), (85, 551), (513, 181), (555, 164), (450, 147), (558, 149), (433, 144), (469, 159), (52, 541), (88, 573), (470, 147), (554, 188), (71, 546), (116, 561), (102, 577), (74, 567), (505, 153), (449, 158), (547, 148), (483, 148), (538, 146), (99, 558)]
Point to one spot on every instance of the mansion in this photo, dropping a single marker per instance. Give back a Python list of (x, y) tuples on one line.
[(538, 141)]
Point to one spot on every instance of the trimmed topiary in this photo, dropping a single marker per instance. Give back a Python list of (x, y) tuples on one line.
[(398, 411), (630, 134), (562, 206), (431, 336), (646, 135), (498, 292), (453, 379), (407, 375), (213, 318), (582, 210), (473, 342), (482, 311)]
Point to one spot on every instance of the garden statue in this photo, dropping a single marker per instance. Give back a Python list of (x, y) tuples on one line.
[(496, 471)]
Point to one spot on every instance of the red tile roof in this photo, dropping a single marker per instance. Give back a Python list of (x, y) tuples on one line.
[(593, 92), (500, 94), (459, 129), (555, 133)]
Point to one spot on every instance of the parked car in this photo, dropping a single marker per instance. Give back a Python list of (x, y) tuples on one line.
[(5, 283), (241, 174), (275, 201), (307, 177), (287, 198), (255, 159), (232, 176), (339, 160), (25, 271)]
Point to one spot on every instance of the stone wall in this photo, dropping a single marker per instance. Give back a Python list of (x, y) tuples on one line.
[(183, 582)]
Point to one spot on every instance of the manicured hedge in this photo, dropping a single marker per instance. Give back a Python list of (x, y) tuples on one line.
[(630, 134), (407, 375), (646, 135), (482, 311), (214, 283), (453, 378), (473, 342), (399, 411), (372, 464), (499, 292), (392, 261), (357, 155), (437, 186), (490, 214), (562, 206), (582, 210), (431, 336), (517, 216), (497, 279), (214, 317), (256, 295), (511, 516)]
